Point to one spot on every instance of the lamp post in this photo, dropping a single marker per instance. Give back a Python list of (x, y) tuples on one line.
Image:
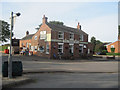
[(10, 53)]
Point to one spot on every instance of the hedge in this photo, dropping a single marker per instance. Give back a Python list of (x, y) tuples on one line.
[(2, 48), (113, 54)]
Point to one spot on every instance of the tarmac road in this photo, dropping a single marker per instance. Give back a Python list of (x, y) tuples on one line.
[(72, 80), (85, 73)]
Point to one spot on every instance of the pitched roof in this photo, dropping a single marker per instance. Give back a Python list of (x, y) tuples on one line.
[(27, 37), (65, 28)]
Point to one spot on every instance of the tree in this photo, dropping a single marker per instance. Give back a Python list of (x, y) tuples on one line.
[(93, 41), (51, 22), (119, 29), (56, 22), (5, 31)]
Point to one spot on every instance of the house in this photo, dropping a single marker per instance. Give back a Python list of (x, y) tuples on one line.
[(115, 45), (51, 40)]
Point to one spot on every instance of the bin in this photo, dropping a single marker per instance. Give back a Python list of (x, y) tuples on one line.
[(17, 68)]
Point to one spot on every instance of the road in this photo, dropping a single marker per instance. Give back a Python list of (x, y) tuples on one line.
[(73, 80), (82, 73)]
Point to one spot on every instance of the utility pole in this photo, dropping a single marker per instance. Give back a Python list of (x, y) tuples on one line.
[(10, 53)]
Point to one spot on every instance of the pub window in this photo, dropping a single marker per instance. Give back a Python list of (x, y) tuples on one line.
[(81, 37), (60, 35), (71, 36), (71, 47), (60, 48), (47, 48), (43, 35)]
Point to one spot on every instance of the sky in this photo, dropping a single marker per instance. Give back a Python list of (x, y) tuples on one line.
[(98, 19)]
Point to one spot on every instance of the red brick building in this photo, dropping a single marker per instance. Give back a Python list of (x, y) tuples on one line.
[(52, 39), (115, 45)]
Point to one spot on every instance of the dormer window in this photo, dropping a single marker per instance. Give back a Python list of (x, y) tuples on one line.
[(60, 35), (71, 36), (81, 37)]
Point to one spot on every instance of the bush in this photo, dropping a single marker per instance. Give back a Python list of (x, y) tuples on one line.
[(117, 54), (104, 52), (2, 48)]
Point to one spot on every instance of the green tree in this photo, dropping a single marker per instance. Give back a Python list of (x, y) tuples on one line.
[(119, 29), (4, 31), (93, 41), (51, 22), (56, 22)]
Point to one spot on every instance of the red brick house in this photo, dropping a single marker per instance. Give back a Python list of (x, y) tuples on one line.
[(115, 45), (52, 39)]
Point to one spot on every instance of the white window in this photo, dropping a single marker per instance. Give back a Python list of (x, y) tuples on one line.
[(85, 46), (81, 37), (35, 37), (80, 48), (71, 47), (60, 35), (71, 36), (60, 47), (29, 46), (32, 48), (26, 45), (41, 48), (47, 48), (88, 51), (112, 46), (22, 44), (35, 48), (42, 34)]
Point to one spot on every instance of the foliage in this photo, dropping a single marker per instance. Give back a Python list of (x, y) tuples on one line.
[(119, 29), (93, 41), (52, 22), (2, 48), (112, 50), (5, 31), (117, 54), (56, 22)]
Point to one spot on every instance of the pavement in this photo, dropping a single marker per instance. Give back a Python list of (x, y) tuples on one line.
[(7, 83)]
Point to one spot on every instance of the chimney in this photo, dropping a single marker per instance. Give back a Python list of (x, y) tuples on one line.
[(79, 26), (44, 19), (27, 33), (119, 37)]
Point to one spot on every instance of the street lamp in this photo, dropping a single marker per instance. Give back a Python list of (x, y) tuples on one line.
[(10, 54)]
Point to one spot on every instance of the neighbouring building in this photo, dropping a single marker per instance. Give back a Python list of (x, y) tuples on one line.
[(52, 39), (115, 45)]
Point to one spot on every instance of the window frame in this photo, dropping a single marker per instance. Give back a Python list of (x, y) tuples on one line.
[(72, 49), (35, 37), (60, 48), (72, 36), (81, 37), (47, 48), (62, 35), (43, 34)]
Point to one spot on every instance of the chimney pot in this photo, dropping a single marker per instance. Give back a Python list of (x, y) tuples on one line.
[(27, 33), (44, 19), (79, 26)]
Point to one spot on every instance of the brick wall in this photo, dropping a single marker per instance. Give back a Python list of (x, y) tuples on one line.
[(116, 45)]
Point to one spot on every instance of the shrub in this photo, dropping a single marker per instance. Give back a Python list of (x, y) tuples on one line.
[(113, 54)]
